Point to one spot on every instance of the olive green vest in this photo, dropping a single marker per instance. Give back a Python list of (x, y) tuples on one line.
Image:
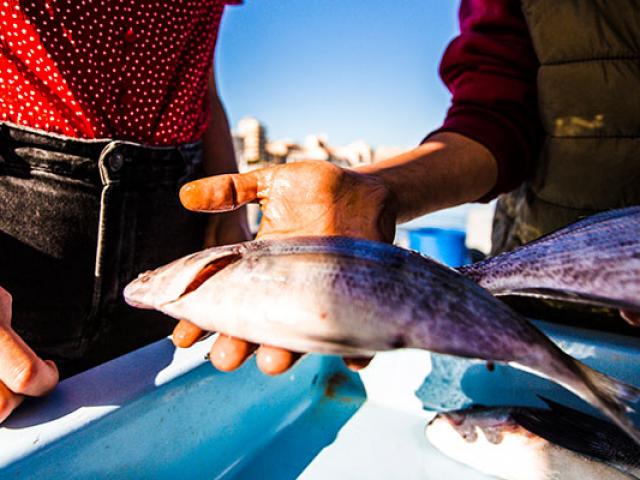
[(589, 102)]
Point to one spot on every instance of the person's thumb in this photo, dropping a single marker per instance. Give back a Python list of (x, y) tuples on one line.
[(21, 370), (221, 192)]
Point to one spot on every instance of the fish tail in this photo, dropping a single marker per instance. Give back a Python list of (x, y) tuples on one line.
[(612, 397)]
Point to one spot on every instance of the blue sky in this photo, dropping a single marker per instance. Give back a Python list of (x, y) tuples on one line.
[(352, 69)]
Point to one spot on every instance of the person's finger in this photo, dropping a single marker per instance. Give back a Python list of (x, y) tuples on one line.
[(221, 192), (8, 402), (632, 318), (274, 361), (5, 307), (21, 370), (228, 353), (357, 363), (186, 334)]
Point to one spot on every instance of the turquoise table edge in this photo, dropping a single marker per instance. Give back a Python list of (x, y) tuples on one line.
[(165, 413)]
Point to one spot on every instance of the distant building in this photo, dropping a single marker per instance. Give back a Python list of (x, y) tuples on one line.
[(252, 140), (254, 150), (355, 153), (238, 148)]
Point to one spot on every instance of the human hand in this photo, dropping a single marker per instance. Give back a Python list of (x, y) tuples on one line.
[(22, 372), (306, 198)]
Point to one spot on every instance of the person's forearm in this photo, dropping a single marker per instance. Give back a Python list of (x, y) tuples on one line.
[(447, 170), (218, 154)]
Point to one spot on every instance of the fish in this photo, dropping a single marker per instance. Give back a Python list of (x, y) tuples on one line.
[(355, 297), (595, 261), (520, 443)]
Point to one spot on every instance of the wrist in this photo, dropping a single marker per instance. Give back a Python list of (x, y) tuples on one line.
[(378, 201), (447, 170)]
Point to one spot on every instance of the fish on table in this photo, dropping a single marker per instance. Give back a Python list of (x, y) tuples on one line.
[(355, 297), (595, 261), (519, 443)]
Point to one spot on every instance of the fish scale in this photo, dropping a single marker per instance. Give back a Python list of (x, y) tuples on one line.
[(595, 261)]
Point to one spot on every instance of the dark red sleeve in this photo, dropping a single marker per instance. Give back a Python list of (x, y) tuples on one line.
[(490, 69)]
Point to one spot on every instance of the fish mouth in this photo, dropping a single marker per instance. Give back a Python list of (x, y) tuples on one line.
[(134, 292), (149, 292), (135, 304)]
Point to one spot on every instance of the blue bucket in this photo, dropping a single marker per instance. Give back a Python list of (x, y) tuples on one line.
[(443, 244)]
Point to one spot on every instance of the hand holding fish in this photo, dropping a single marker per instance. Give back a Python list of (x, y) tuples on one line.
[(22, 372), (321, 199), (309, 198)]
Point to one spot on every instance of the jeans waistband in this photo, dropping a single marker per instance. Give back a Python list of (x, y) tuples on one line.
[(100, 161)]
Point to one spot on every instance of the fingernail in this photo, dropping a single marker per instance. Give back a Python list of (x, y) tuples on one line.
[(267, 358), (189, 195), (220, 359), (179, 335), (221, 354)]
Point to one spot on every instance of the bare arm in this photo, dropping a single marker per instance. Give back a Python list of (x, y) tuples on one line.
[(216, 143), (449, 169)]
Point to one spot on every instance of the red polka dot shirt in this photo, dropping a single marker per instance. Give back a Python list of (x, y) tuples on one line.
[(123, 69)]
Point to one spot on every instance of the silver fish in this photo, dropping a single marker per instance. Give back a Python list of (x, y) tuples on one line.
[(354, 297), (521, 443), (595, 261)]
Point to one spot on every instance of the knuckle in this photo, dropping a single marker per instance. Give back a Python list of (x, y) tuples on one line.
[(25, 377)]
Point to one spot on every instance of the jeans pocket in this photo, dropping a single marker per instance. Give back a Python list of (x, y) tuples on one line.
[(48, 229)]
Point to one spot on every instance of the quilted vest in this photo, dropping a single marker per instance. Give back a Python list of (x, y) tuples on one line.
[(589, 104)]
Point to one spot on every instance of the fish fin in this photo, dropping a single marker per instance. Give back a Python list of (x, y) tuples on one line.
[(612, 397), (567, 296), (579, 432)]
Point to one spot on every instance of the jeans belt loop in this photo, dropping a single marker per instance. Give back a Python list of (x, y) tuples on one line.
[(110, 163)]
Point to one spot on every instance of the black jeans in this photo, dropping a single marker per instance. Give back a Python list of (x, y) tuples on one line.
[(78, 220)]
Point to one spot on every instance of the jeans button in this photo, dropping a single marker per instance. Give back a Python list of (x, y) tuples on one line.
[(115, 162)]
